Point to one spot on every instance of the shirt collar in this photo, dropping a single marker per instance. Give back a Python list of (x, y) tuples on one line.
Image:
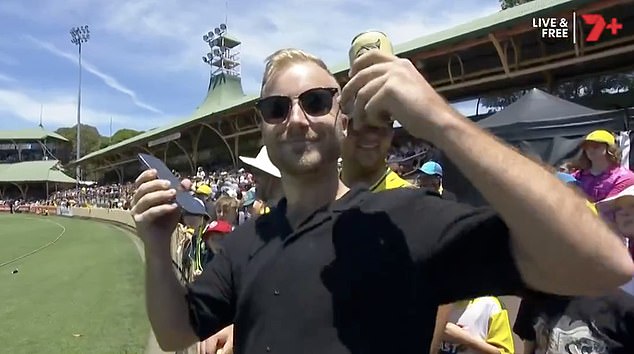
[(348, 200), (275, 225)]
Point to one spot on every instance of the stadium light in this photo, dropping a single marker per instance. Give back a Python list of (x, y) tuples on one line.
[(210, 38), (78, 36)]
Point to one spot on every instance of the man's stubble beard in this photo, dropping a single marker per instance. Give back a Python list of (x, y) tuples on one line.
[(329, 151), (313, 163)]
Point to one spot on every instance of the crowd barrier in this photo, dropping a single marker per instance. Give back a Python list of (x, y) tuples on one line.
[(110, 215)]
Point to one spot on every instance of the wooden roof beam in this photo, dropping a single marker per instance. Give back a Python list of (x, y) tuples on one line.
[(501, 53)]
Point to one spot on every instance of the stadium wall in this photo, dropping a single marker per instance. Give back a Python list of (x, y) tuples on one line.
[(111, 215)]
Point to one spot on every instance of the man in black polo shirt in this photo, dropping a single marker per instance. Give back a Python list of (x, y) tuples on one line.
[(332, 270)]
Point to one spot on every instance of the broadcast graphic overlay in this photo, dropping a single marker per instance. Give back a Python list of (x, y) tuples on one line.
[(595, 27)]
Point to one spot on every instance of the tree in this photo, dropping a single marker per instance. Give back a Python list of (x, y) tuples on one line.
[(90, 138), (123, 134), (119, 136), (510, 3)]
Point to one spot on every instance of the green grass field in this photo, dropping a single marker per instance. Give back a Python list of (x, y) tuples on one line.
[(83, 294)]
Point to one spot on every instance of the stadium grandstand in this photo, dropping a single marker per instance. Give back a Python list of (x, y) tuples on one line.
[(495, 54), (31, 163)]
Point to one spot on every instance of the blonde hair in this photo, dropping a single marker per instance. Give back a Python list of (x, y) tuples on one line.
[(284, 58), (227, 209)]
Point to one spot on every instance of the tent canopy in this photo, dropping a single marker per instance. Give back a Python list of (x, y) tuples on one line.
[(538, 115), (538, 124), (34, 172)]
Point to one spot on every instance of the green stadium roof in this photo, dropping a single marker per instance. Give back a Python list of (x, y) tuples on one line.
[(481, 26), (225, 92), (229, 96), (29, 134), (33, 171)]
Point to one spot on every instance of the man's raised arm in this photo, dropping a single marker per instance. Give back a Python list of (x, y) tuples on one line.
[(558, 244), (156, 217)]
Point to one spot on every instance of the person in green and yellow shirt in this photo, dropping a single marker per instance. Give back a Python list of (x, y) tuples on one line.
[(364, 155), (364, 162)]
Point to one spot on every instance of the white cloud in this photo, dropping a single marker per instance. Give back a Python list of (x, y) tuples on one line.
[(172, 29), (6, 78), (57, 110), (106, 78)]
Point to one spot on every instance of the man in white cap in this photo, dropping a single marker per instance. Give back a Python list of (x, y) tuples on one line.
[(267, 192), (267, 177)]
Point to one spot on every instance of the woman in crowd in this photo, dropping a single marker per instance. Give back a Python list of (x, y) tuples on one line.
[(599, 173)]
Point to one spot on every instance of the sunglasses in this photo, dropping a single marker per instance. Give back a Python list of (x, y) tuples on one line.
[(315, 102)]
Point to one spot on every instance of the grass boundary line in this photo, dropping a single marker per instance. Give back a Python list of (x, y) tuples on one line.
[(152, 346), (126, 229), (50, 243)]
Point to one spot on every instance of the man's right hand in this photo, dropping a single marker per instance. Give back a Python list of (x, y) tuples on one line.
[(153, 209), (219, 343)]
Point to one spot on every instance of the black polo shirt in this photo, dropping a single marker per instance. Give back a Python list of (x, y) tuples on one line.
[(362, 275)]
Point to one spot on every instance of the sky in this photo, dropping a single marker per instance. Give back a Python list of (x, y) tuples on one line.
[(142, 65)]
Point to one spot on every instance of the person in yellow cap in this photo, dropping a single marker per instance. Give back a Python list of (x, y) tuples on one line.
[(600, 173), (204, 193)]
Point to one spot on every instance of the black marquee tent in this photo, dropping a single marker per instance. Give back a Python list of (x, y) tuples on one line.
[(538, 124), (538, 115)]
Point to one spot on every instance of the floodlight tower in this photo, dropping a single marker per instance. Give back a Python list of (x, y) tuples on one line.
[(223, 57), (78, 36)]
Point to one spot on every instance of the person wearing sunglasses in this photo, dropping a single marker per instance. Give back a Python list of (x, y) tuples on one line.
[(338, 270)]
